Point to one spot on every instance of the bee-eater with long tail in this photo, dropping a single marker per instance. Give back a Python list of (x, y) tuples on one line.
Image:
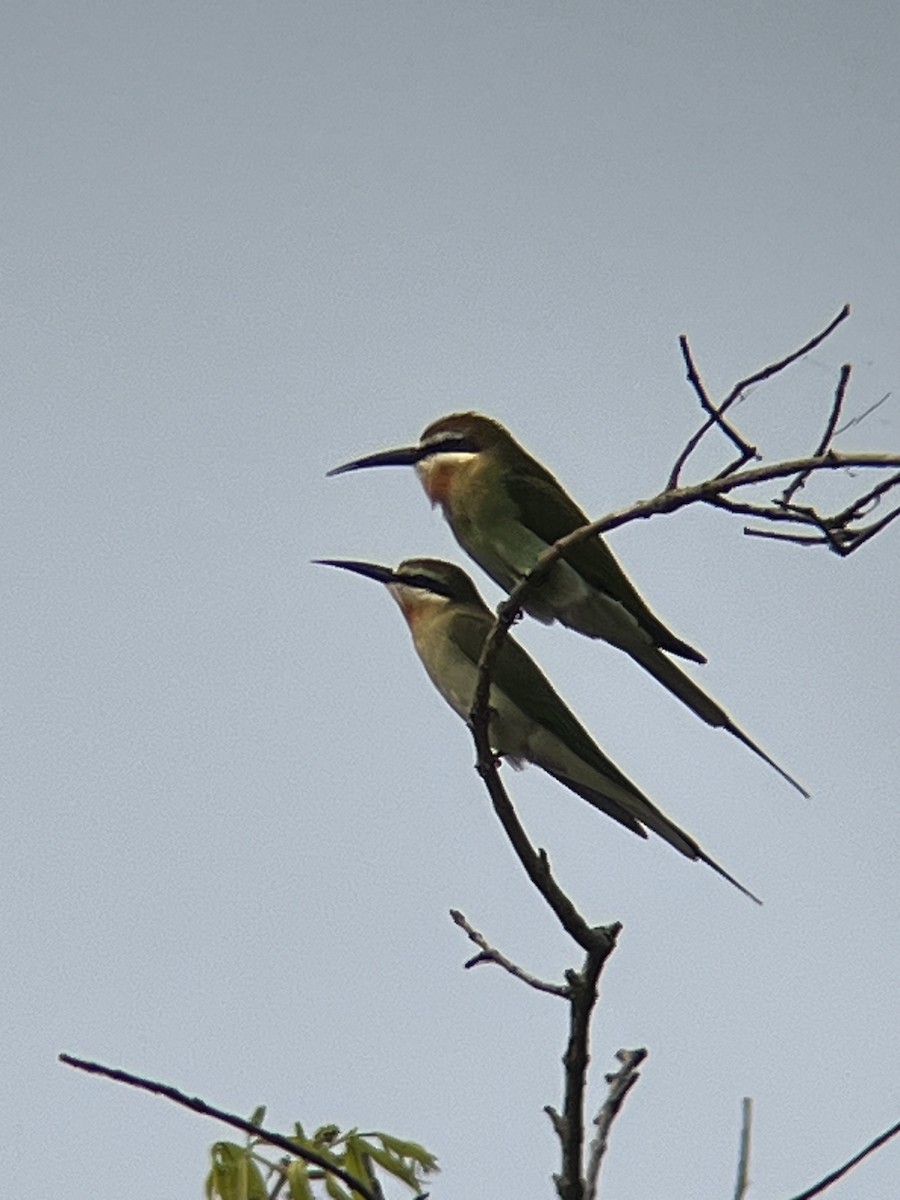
[(529, 722), (506, 509)]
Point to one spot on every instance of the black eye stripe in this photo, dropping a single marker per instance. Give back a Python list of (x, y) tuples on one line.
[(426, 583), (450, 443)]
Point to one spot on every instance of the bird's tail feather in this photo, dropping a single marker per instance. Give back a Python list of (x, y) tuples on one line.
[(651, 816), (680, 684), (710, 862)]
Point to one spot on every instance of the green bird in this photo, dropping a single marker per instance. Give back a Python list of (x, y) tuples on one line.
[(529, 721), (506, 509)]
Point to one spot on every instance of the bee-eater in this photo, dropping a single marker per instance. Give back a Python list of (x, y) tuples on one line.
[(506, 509), (529, 721)]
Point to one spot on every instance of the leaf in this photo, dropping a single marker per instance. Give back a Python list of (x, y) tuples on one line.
[(298, 1181), (355, 1160), (221, 1181), (394, 1165), (259, 1115), (334, 1189), (234, 1174), (413, 1150)]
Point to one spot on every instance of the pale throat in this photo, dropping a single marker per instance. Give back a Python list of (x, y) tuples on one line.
[(438, 471), (416, 603)]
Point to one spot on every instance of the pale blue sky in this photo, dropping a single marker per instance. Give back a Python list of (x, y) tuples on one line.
[(242, 243)]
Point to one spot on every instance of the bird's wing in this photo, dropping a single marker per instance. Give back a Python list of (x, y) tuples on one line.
[(518, 676), (604, 803), (549, 513)]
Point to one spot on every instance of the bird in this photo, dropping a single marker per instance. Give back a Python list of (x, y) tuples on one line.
[(506, 509), (529, 721)]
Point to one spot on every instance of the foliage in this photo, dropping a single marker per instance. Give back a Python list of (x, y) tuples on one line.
[(244, 1173)]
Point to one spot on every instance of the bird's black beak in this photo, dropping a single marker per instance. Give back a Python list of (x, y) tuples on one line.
[(403, 456), (370, 570)]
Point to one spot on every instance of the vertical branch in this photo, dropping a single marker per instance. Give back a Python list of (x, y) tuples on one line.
[(570, 1183), (620, 1084), (743, 1172)]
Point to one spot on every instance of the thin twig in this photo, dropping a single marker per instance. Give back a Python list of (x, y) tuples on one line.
[(763, 512), (745, 450), (820, 1187), (830, 425), (860, 507), (743, 1172), (491, 954), (861, 536), (200, 1106), (867, 412), (775, 367), (717, 411), (842, 541), (620, 1084), (795, 539)]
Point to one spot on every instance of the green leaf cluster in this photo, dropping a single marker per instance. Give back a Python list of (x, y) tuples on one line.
[(245, 1173)]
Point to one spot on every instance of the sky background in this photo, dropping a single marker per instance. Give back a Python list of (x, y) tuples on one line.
[(242, 243)]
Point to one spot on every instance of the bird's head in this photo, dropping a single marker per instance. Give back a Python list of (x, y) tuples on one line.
[(419, 585)]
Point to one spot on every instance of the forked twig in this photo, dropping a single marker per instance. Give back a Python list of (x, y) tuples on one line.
[(717, 411), (492, 955)]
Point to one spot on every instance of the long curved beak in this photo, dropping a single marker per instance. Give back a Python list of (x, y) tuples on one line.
[(370, 570), (403, 456)]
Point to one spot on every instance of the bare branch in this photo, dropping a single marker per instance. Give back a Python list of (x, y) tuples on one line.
[(745, 450), (620, 1084), (796, 539), (200, 1106), (841, 541), (859, 508), (708, 492), (743, 1172), (839, 393), (717, 411), (764, 512), (492, 955), (569, 1125), (820, 1187), (861, 536), (776, 367)]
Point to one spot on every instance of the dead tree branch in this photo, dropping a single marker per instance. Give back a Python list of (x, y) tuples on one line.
[(197, 1105)]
